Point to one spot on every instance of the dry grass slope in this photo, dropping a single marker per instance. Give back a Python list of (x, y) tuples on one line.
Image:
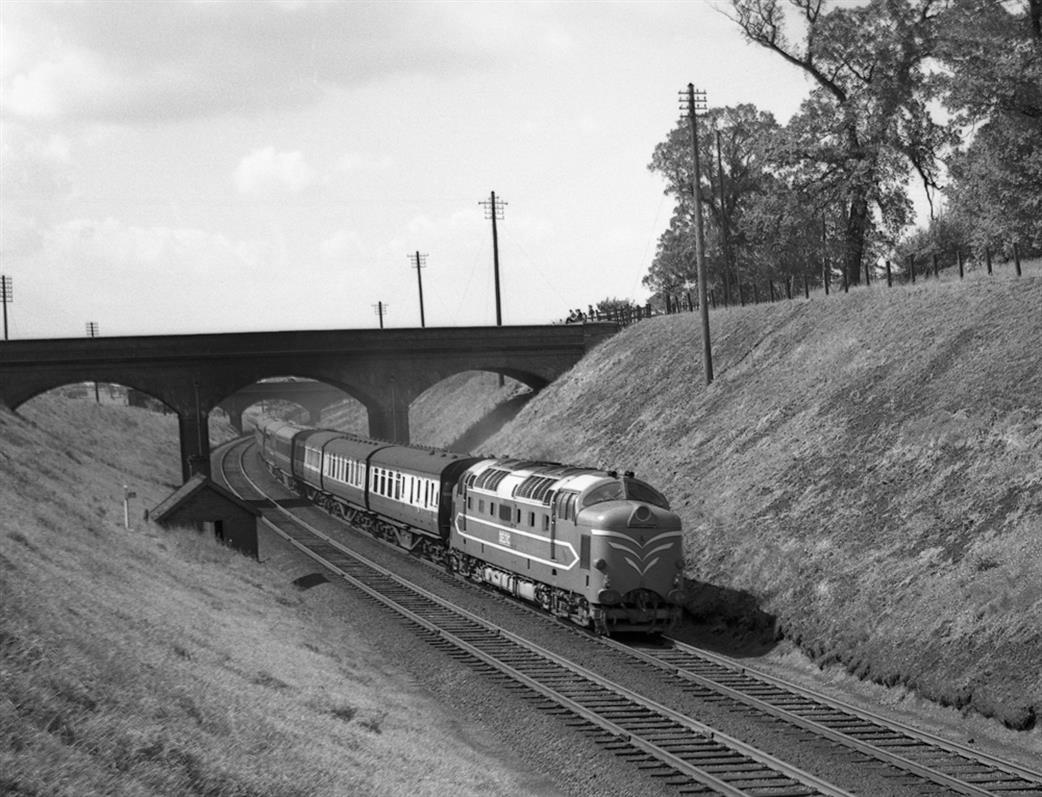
[(145, 662), (868, 468)]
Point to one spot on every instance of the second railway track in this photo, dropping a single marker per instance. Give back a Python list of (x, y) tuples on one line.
[(683, 752)]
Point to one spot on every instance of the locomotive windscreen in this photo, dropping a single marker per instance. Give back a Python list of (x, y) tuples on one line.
[(625, 490)]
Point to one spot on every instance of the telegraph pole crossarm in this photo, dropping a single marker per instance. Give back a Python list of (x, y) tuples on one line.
[(692, 102)]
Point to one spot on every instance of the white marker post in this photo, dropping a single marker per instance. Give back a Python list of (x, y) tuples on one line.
[(127, 495)]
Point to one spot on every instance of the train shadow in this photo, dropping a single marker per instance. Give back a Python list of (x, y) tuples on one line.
[(727, 621), (495, 420)]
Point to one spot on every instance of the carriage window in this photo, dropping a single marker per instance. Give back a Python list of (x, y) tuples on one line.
[(505, 512), (531, 519)]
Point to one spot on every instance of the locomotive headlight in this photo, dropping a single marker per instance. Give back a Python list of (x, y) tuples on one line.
[(677, 596), (609, 596), (601, 565)]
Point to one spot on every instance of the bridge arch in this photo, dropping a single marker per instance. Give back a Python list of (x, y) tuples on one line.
[(311, 395)]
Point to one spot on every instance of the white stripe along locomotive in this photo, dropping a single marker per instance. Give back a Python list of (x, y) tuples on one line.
[(602, 550)]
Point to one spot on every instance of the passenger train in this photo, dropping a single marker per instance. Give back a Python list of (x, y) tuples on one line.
[(600, 549)]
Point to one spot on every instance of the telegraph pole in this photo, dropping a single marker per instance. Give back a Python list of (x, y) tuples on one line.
[(381, 309), (494, 211), (6, 297), (693, 101), (92, 332), (420, 261)]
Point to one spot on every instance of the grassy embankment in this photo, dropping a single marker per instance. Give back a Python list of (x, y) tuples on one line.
[(149, 662), (866, 468)]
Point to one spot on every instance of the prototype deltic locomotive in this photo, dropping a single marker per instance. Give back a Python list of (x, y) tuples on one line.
[(602, 550)]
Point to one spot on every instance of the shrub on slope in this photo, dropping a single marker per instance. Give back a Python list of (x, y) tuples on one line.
[(868, 466)]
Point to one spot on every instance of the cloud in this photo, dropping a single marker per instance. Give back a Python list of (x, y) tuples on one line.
[(34, 167), (136, 252), (127, 62), (356, 161), (343, 247), (265, 171)]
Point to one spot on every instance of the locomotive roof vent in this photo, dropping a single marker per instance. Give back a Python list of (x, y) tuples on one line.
[(628, 474)]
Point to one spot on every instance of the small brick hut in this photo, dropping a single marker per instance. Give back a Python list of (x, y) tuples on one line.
[(202, 504)]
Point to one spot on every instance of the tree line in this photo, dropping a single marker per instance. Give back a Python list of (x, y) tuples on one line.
[(943, 93)]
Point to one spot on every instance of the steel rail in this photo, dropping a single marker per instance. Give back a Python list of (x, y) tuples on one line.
[(626, 723), (1031, 776), (1009, 767), (1006, 776)]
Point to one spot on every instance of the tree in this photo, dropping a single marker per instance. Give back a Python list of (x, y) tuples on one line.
[(865, 127), (744, 133), (993, 84), (612, 308)]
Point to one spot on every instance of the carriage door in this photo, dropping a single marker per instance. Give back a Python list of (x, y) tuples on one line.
[(460, 506)]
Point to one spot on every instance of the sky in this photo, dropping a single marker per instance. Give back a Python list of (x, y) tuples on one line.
[(212, 166)]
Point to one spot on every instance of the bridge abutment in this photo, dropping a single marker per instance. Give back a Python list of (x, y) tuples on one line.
[(389, 411), (195, 443)]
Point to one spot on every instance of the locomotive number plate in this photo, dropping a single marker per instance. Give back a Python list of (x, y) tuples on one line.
[(504, 538)]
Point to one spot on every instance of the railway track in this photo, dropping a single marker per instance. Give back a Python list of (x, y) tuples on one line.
[(665, 741), (957, 768), (683, 753)]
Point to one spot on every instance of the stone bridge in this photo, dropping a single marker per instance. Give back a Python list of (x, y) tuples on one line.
[(384, 369)]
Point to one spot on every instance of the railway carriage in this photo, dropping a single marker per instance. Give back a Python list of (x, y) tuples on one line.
[(275, 440), (410, 488)]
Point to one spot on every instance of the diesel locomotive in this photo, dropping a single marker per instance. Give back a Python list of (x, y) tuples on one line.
[(600, 549)]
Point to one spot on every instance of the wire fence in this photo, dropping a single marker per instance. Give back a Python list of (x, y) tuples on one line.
[(915, 269)]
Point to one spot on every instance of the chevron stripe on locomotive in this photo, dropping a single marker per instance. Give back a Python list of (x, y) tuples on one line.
[(601, 550)]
